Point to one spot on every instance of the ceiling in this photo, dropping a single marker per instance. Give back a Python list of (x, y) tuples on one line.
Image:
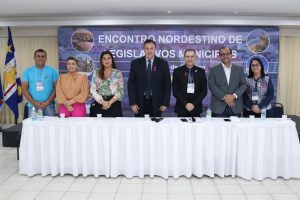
[(17, 8), (119, 12)]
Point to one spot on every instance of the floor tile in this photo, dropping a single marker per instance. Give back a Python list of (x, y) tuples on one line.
[(24, 195), (102, 196), (130, 188), (45, 195), (75, 196), (105, 188), (207, 197), (179, 189), (154, 197), (153, 189), (229, 189), (285, 197), (204, 189)]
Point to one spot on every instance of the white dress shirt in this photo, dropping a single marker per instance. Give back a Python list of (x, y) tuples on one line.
[(227, 71)]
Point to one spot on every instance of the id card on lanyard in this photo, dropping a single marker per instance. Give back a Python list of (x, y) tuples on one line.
[(255, 96), (191, 88), (39, 85)]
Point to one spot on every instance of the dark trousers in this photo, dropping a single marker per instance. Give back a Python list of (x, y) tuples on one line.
[(226, 113), (115, 109), (246, 113), (147, 109)]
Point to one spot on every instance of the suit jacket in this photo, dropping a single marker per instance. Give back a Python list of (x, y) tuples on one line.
[(219, 87), (179, 84), (160, 80)]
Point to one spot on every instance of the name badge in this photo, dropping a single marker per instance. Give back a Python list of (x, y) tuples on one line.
[(255, 96), (191, 88), (39, 86)]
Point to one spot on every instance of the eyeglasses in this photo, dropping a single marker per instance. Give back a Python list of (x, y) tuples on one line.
[(225, 54)]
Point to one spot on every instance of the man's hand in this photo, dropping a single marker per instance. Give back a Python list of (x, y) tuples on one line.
[(163, 108), (231, 104), (43, 105), (189, 107), (135, 109), (37, 105), (229, 99)]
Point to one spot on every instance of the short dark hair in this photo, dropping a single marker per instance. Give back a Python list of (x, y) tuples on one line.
[(193, 50), (262, 71), (149, 41), (223, 47), (40, 50), (72, 58)]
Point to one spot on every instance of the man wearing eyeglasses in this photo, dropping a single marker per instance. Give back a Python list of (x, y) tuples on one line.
[(227, 83)]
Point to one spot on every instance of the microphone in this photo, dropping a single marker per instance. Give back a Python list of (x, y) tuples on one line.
[(193, 119)]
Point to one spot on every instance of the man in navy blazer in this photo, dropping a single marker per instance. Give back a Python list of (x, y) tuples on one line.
[(189, 86), (149, 83), (227, 83)]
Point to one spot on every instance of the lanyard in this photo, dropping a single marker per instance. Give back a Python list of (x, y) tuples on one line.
[(42, 76), (190, 76)]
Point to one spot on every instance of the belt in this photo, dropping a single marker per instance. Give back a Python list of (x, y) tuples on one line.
[(107, 97)]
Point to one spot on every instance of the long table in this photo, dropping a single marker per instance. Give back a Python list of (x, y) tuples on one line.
[(251, 149)]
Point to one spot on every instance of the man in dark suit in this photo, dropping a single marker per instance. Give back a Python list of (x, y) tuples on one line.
[(227, 83), (189, 86), (149, 83)]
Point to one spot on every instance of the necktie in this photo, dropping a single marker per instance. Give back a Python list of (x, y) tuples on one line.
[(148, 89), (190, 77)]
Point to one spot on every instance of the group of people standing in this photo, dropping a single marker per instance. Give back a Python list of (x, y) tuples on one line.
[(149, 86)]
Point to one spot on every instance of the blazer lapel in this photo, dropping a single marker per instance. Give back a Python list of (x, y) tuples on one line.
[(232, 75), (143, 66), (185, 75)]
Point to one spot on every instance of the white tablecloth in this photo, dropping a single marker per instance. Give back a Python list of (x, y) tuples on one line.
[(138, 147)]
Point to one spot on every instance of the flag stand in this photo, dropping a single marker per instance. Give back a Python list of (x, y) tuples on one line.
[(16, 122)]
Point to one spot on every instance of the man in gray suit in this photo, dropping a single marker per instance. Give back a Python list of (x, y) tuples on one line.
[(227, 84)]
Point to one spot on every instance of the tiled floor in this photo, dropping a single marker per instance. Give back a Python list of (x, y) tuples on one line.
[(16, 187)]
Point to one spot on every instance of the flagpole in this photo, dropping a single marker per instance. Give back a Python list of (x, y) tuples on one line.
[(16, 120)]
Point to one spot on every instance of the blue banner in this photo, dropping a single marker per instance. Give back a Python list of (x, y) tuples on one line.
[(126, 44)]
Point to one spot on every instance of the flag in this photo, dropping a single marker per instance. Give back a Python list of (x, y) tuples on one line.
[(12, 82), (1, 95)]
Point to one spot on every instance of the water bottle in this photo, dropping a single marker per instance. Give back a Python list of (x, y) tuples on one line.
[(208, 113), (40, 114), (263, 113), (33, 114)]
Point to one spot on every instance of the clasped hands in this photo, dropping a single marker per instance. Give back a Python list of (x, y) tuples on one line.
[(189, 107), (41, 105), (68, 105), (105, 105), (229, 100)]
